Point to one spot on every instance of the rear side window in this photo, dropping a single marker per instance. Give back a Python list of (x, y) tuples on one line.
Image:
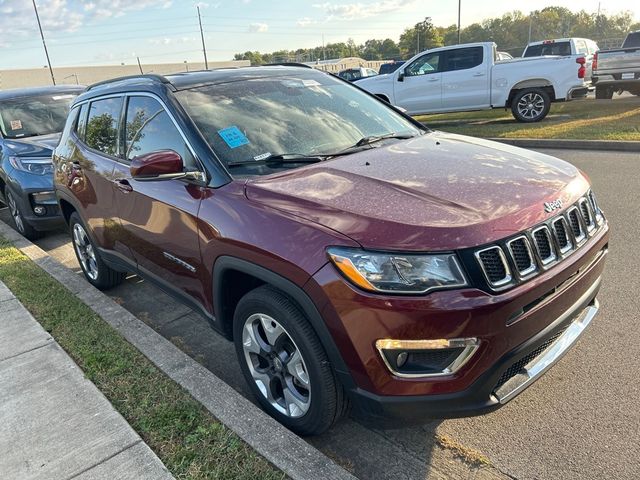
[(632, 40), (102, 125), (149, 129), (581, 47), (462, 58)]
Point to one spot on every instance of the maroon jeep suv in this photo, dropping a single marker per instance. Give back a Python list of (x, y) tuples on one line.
[(352, 255)]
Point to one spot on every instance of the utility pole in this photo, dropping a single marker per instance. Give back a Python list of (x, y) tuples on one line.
[(140, 66), (459, 8), (46, 52), (417, 42), (324, 52), (204, 48), (530, 23)]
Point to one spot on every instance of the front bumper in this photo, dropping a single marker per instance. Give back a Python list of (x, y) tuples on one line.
[(22, 186), (563, 300)]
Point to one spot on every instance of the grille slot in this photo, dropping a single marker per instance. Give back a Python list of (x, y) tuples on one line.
[(595, 207), (544, 245), (562, 236), (494, 265), (585, 209), (576, 225), (522, 256)]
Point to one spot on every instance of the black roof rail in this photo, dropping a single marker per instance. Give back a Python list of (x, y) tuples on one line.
[(149, 76), (287, 64)]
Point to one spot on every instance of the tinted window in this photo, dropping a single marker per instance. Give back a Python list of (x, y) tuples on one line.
[(462, 58), (102, 125), (149, 129), (81, 126), (555, 48), (426, 64), (632, 40)]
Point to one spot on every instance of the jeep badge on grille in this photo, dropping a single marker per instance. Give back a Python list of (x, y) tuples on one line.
[(552, 206)]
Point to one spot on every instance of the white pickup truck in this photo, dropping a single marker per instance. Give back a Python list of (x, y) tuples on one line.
[(468, 77), (576, 47)]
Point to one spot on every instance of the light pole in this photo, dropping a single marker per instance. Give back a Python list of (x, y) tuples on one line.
[(459, 8), (46, 52), (204, 48)]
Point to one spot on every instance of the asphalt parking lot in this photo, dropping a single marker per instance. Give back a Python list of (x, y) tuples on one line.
[(581, 420)]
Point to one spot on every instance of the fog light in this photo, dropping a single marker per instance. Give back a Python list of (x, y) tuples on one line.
[(40, 210), (426, 358)]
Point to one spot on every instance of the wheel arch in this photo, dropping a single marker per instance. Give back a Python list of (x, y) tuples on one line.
[(234, 277), (541, 83)]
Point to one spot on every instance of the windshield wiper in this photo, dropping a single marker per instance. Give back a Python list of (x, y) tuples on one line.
[(281, 158), (365, 141)]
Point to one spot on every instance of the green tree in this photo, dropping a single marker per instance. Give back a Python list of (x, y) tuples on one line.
[(421, 36)]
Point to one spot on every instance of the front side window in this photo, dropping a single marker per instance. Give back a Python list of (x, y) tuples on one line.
[(302, 114), (149, 129), (462, 58), (102, 125), (424, 65), (35, 115)]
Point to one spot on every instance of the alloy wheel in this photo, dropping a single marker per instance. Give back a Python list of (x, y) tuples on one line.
[(276, 365), (85, 251), (531, 105), (15, 213)]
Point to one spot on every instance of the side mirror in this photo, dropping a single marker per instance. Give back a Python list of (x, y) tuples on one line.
[(401, 75), (159, 165)]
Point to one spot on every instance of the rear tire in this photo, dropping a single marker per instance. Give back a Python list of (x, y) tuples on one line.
[(530, 105), (18, 220), (285, 364), (604, 93), (97, 273)]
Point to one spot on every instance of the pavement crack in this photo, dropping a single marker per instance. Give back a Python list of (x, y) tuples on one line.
[(48, 342), (75, 475)]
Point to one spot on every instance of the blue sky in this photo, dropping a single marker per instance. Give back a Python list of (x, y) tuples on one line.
[(95, 32)]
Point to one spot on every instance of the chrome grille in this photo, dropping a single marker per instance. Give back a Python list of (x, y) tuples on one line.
[(544, 244), (540, 247), (522, 256), (494, 265)]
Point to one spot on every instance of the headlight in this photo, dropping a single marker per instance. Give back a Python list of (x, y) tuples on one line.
[(36, 165), (396, 272)]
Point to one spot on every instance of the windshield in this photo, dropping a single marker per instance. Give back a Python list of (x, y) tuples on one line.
[(37, 115), (306, 114)]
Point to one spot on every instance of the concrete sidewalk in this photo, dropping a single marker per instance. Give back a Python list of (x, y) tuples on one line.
[(54, 423)]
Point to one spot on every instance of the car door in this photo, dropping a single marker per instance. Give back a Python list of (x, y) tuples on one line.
[(465, 79), (418, 87), (158, 218), (89, 170)]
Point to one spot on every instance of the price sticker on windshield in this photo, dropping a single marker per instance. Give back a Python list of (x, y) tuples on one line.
[(16, 125), (233, 137)]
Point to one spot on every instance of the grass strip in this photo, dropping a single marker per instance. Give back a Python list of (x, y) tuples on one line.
[(617, 119), (190, 442)]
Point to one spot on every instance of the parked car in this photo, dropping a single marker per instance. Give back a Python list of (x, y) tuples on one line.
[(31, 120), (467, 77), (576, 47), (352, 255), (503, 56), (355, 74), (618, 69), (389, 67)]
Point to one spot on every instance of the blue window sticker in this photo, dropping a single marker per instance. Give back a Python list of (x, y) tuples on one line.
[(233, 137)]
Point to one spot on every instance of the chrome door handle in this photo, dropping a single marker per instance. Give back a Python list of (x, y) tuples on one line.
[(478, 74), (123, 185)]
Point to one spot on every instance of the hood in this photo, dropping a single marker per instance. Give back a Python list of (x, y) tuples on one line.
[(435, 192), (37, 146), (365, 82)]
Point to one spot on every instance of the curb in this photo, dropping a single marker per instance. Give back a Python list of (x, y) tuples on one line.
[(610, 145), (284, 449)]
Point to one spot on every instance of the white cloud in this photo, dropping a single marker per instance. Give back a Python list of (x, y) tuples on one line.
[(258, 27), (362, 10), (305, 22)]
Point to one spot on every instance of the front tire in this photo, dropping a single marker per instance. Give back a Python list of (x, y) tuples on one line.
[(530, 105), (97, 273), (17, 217), (285, 364)]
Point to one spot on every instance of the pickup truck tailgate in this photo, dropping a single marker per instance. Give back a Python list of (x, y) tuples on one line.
[(622, 60)]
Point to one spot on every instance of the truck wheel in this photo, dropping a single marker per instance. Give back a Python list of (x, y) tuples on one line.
[(604, 93), (97, 273), (285, 364), (19, 222), (530, 105)]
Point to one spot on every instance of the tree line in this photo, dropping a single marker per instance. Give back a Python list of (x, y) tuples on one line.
[(511, 32)]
